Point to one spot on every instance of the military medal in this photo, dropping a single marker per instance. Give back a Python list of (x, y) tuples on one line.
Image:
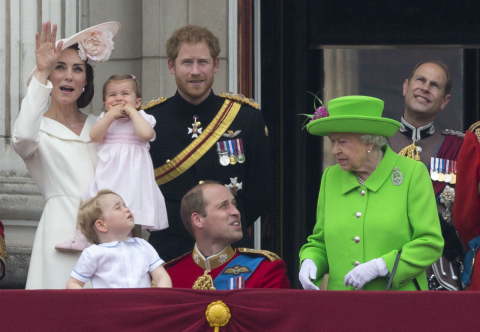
[(234, 186), (448, 177), (441, 176), (222, 154), (232, 152), (397, 177), (434, 169), (239, 148), (446, 198), (195, 130), (453, 173)]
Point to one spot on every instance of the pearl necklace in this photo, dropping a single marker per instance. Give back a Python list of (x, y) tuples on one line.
[(359, 179)]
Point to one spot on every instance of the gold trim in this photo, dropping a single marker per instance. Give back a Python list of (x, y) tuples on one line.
[(195, 150), (153, 102), (212, 262), (474, 126), (240, 98), (270, 255), (217, 314), (410, 151), (204, 282)]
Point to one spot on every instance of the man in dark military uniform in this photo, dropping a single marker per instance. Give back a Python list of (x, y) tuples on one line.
[(209, 212), (426, 92), (203, 136)]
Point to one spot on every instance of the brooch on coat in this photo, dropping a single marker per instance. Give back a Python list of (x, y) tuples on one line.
[(397, 177)]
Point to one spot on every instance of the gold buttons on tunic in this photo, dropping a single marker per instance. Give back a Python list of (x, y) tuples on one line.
[(356, 239), (358, 214), (362, 193)]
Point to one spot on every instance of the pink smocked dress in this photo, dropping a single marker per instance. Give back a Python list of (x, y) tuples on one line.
[(125, 167)]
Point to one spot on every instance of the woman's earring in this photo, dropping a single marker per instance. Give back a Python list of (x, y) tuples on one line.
[(368, 151), (83, 90)]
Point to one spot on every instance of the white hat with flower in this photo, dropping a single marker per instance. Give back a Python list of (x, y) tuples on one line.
[(95, 44)]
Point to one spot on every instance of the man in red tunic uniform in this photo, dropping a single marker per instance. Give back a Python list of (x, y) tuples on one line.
[(466, 210), (210, 215)]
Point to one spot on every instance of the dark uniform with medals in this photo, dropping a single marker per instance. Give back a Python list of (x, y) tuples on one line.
[(238, 157), (438, 151)]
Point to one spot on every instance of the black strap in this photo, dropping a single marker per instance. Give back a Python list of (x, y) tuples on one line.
[(390, 280)]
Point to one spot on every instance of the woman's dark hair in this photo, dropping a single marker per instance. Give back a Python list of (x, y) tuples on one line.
[(87, 95)]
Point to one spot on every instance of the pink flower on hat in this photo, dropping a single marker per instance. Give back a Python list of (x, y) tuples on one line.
[(320, 112), (97, 46)]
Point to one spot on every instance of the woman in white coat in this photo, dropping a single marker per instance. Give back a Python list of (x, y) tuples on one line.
[(54, 141)]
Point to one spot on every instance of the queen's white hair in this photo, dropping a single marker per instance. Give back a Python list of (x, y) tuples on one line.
[(377, 140)]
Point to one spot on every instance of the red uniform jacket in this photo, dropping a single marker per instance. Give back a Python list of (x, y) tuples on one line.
[(269, 274), (466, 210)]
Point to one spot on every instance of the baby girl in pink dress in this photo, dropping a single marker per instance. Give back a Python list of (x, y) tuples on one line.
[(124, 163)]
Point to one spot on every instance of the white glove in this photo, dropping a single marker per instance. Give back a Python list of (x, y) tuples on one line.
[(366, 272), (308, 271)]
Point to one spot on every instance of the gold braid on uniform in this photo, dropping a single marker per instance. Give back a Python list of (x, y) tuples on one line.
[(475, 128), (240, 98), (410, 151), (204, 282), (153, 102), (270, 255)]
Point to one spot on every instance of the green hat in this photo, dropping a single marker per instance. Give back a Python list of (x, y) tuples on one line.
[(354, 114)]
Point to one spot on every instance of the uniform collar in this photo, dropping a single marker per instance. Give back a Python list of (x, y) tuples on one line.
[(416, 133), (191, 109), (214, 261), (376, 179)]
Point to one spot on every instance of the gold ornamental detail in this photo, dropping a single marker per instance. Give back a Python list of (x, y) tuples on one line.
[(217, 314)]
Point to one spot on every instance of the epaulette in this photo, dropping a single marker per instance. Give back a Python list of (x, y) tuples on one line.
[(452, 132), (474, 127), (240, 98), (176, 260), (153, 102), (270, 255)]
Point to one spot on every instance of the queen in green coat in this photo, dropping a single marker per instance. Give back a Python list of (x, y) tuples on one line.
[(372, 205)]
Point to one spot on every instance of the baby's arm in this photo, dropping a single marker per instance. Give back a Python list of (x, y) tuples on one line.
[(99, 129), (161, 277), (143, 129), (73, 283)]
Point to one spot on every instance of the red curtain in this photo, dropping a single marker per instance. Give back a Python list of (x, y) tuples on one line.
[(251, 310)]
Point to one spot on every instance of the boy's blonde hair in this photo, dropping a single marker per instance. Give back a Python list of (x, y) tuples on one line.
[(89, 213)]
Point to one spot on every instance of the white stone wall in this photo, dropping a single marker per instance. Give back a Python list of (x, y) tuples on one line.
[(139, 50)]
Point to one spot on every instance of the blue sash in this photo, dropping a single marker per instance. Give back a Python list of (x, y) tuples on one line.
[(474, 244), (240, 268)]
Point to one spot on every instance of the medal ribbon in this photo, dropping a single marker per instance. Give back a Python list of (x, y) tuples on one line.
[(231, 148), (239, 144)]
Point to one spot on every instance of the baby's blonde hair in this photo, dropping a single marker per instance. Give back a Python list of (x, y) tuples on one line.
[(89, 213)]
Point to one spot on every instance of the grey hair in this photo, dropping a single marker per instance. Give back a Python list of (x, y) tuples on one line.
[(377, 140)]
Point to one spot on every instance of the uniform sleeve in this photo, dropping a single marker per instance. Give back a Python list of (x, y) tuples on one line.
[(86, 266), (466, 210), (258, 171), (151, 120), (154, 259), (427, 242), (25, 135), (315, 247), (3, 252), (271, 274)]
